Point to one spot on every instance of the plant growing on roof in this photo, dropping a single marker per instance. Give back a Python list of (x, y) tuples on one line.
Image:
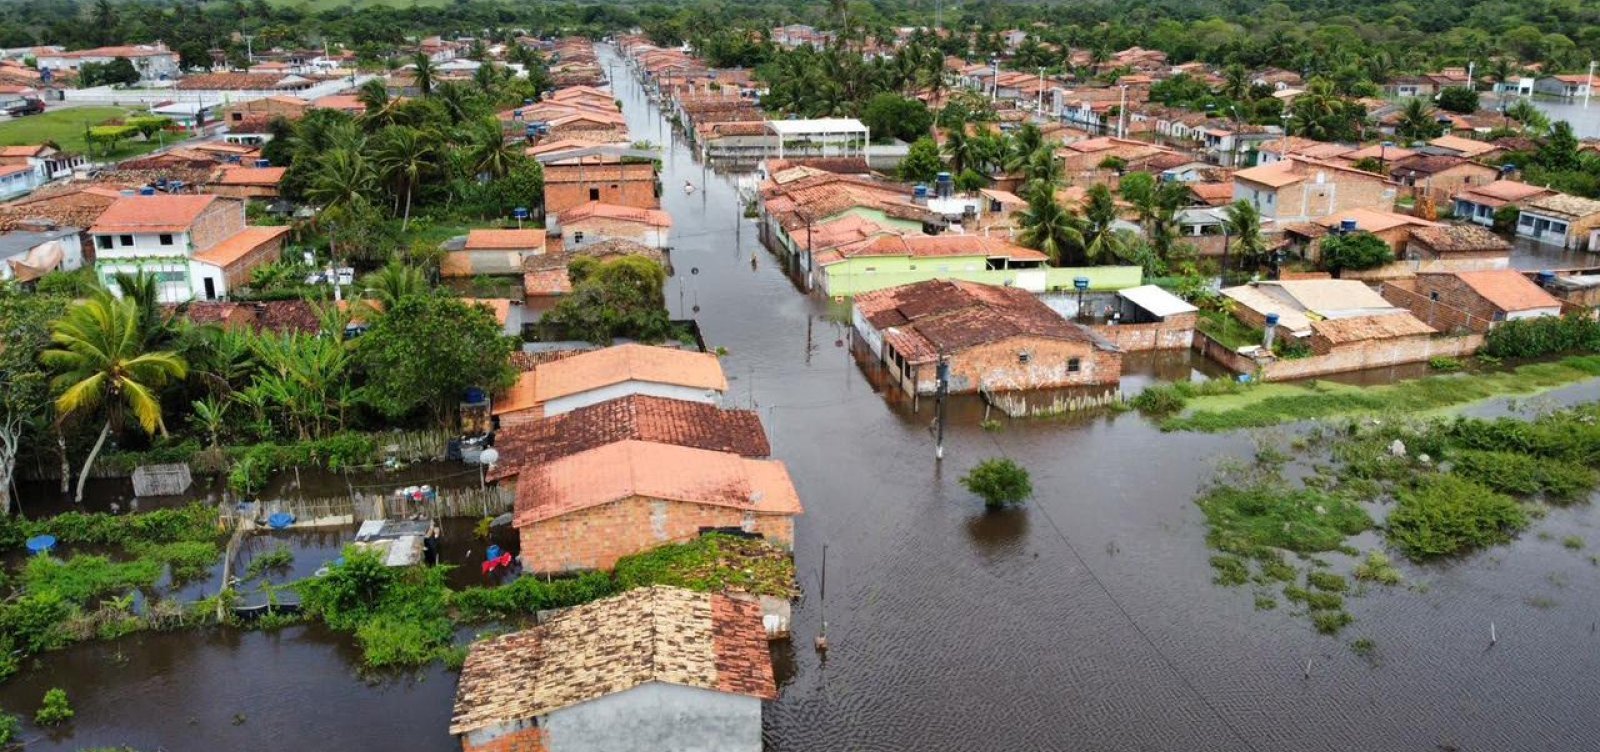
[(1000, 481), (103, 367)]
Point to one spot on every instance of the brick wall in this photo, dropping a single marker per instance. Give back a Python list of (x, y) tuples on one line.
[(261, 107), (223, 219), (243, 191), (1443, 302), (1372, 354), (238, 273), (595, 538), (999, 366), (1340, 191), (624, 185), (600, 228), (1173, 333), (531, 739), (1220, 353)]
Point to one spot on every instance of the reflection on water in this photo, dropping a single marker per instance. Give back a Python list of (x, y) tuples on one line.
[(1585, 119)]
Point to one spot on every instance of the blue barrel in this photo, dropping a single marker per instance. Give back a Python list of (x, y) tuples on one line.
[(1546, 277), (474, 395), (1081, 283), (493, 552), (280, 520), (41, 544), (1272, 319)]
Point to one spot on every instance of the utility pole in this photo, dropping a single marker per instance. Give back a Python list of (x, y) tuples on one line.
[(1039, 109), (1588, 85), (943, 372), (1122, 109)]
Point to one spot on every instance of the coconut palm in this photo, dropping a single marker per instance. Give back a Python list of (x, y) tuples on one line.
[(1235, 83), (374, 96), (142, 288), (344, 178), (960, 149), (386, 287), (424, 73), (103, 367), (404, 156), (1418, 121), (491, 155), (1100, 240), (1243, 224), (1048, 227)]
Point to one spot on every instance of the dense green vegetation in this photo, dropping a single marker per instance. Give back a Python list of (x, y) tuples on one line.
[(999, 481), (407, 616), (1532, 338), (71, 130), (1457, 487)]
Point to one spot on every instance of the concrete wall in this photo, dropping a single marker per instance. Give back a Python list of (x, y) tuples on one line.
[(999, 366), (658, 717), (1374, 354), (595, 538), (627, 388), (520, 736), (858, 275), (1173, 333)]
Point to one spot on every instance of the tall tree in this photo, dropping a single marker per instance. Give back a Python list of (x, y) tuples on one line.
[(426, 351), (103, 368), (404, 156), (25, 396), (1048, 227), (1244, 230)]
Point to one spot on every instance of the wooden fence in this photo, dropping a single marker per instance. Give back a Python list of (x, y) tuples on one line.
[(360, 507)]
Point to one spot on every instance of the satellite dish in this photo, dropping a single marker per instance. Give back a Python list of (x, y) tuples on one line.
[(489, 456)]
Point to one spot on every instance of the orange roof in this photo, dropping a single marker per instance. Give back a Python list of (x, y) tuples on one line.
[(1508, 290), (519, 397), (1274, 175), (500, 307), (346, 102), (547, 282), (146, 214), (251, 176), (240, 245), (624, 469), (22, 151), (595, 209), (506, 240), (615, 365), (1466, 146)]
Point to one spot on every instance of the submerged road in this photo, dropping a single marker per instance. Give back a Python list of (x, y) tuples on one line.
[(1087, 620)]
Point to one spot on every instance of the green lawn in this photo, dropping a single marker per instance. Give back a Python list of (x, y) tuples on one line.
[(317, 6), (65, 127)]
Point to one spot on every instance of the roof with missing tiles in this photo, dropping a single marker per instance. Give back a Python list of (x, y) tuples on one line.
[(657, 634)]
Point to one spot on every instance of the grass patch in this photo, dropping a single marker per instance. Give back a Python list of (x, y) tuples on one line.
[(1231, 570), (1270, 514), (1273, 404), (1327, 582), (1266, 603), (1228, 330), (65, 127), (1444, 515), (399, 615), (1376, 568), (1330, 622), (1572, 542), (276, 560), (712, 563), (1363, 647)]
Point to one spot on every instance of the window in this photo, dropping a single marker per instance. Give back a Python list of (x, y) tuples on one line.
[(1074, 365), (166, 239), (1024, 356), (594, 194), (103, 242), (1559, 228), (125, 240), (178, 276), (1433, 295)]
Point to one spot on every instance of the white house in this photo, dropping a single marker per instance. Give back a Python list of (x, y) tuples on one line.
[(1566, 85), (656, 669), (153, 61), (197, 246), (1559, 219)]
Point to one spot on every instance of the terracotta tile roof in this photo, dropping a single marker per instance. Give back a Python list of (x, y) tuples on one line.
[(69, 206), (1373, 220), (1275, 175), (1466, 146), (474, 263), (145, 214), (233, 81), (1448, 238), (6, 169), (1508, 290), (1423, 165), (257, 176), (546, 282), (936, 246), (598, 210), (1502, 192), (1574, 207), (638, 417), (346, 102), (1362, 328), (239, 245), (925, 318), (1213, 194), (506, 240), (657, 634), (625, 469), (281, 316), (22, 151), (1390, 154), (615, 365)]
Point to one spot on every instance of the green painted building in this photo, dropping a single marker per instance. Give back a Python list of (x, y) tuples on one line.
[(893, 260)]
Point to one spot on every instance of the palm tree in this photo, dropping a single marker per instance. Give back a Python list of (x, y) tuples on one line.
[(1048, 227), (456, 99), (1243, 224), (1235, 83), (155, 325), (101, 361), (424, 74), (374, 96), (386, 287), (959, 149), (491, 154), (1100, 240), (345, 177), (1043, 167), (404, 155), (1417, 121)]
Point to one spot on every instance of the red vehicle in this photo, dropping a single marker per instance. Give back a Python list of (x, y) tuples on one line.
[(26, 107)]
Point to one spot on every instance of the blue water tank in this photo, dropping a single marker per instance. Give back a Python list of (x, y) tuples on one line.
[(920, 191), (263, 163), (474, 395), (41, 544), (1347, 226), (147, 191), (1081, 283), (1546, 277), (1272, 319)]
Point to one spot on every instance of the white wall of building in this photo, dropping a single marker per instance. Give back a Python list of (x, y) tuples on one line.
[(658, 716), (572, 402)]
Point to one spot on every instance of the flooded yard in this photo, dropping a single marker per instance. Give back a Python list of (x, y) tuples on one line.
[(1086, 620)]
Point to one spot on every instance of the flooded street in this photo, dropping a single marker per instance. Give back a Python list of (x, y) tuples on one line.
[(1086, 620)]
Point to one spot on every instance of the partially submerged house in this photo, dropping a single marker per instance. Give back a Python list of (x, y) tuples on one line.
[(491, 252), (1148, 317), (654, 668), (995, 339), (1559, 219), (1462, 246), (587, 510), (890, 259), (1472, 300), (596, 221), (600, 375), (1478, 204), (1297, 303)]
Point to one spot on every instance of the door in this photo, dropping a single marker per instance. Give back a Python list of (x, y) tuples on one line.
[(211, 289)]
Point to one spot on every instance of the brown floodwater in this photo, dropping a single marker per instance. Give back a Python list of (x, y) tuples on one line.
[(1085, 621)]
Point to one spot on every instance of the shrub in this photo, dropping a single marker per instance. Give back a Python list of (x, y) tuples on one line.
[(1443, 515), (81, 578), (1330, 622), (1547, 335), (1572, 542), (1159, 400), (9, 728), (399, 616), (1324, 601), (54, 710), (1377, 569), (528, 595), (711, 563), (1000, 481), (1327, 581), (1245, 518), (1444, 363), (1231, 570), (1356, 251)]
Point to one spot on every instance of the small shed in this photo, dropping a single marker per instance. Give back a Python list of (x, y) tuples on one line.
[(161, 480), (398, 542), (1147, 304)]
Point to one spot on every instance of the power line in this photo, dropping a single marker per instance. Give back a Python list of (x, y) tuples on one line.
[(1171, 665)]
